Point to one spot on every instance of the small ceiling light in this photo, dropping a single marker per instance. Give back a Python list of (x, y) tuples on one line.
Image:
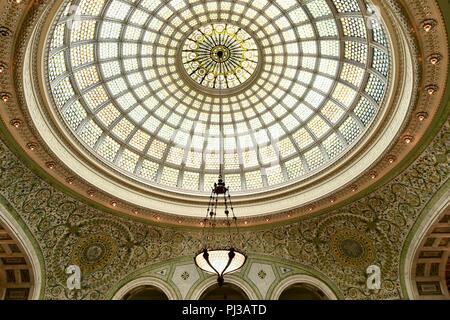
[(422, 116), (91, 193), (51, 165), (5, 32), (135, 211), (333, 199), (354, 188), (70, 180), (2, 67), (114, 203), (32, 146), (428, 25), (434, 59), (408, 139), (431, 89), (311, 208), (373, 175), (16, 123), (5, 96), (391, 159)]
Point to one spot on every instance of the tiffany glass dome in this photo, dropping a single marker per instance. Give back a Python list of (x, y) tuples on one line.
[(161, 91)]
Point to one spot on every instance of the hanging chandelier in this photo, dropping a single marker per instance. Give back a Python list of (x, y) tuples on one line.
[(223, 259)]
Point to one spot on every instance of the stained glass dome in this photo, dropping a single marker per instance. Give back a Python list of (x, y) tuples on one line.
[(150, 88)]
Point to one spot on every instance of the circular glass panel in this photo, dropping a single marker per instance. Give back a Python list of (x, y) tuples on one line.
[(220, 56)]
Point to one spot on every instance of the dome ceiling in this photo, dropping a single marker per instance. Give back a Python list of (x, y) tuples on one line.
[(148, 86)]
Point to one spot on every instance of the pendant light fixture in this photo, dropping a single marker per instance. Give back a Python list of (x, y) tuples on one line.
[(224, 258)]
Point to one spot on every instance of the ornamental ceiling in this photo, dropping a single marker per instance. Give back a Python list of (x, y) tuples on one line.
[(288, 99), (386, 174)]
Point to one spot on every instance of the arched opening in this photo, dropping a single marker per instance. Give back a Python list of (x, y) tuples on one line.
[(16, 274), (146, 293), (228, 291), (429, 257), (302, 291)]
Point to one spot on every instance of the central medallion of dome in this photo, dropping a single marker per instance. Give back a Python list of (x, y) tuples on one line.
[(220, 56)]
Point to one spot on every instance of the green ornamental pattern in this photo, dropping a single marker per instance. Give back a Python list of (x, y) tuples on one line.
[(339, 244)]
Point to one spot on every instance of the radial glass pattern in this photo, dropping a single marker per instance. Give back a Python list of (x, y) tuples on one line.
[(220, 56), (314, 76)]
